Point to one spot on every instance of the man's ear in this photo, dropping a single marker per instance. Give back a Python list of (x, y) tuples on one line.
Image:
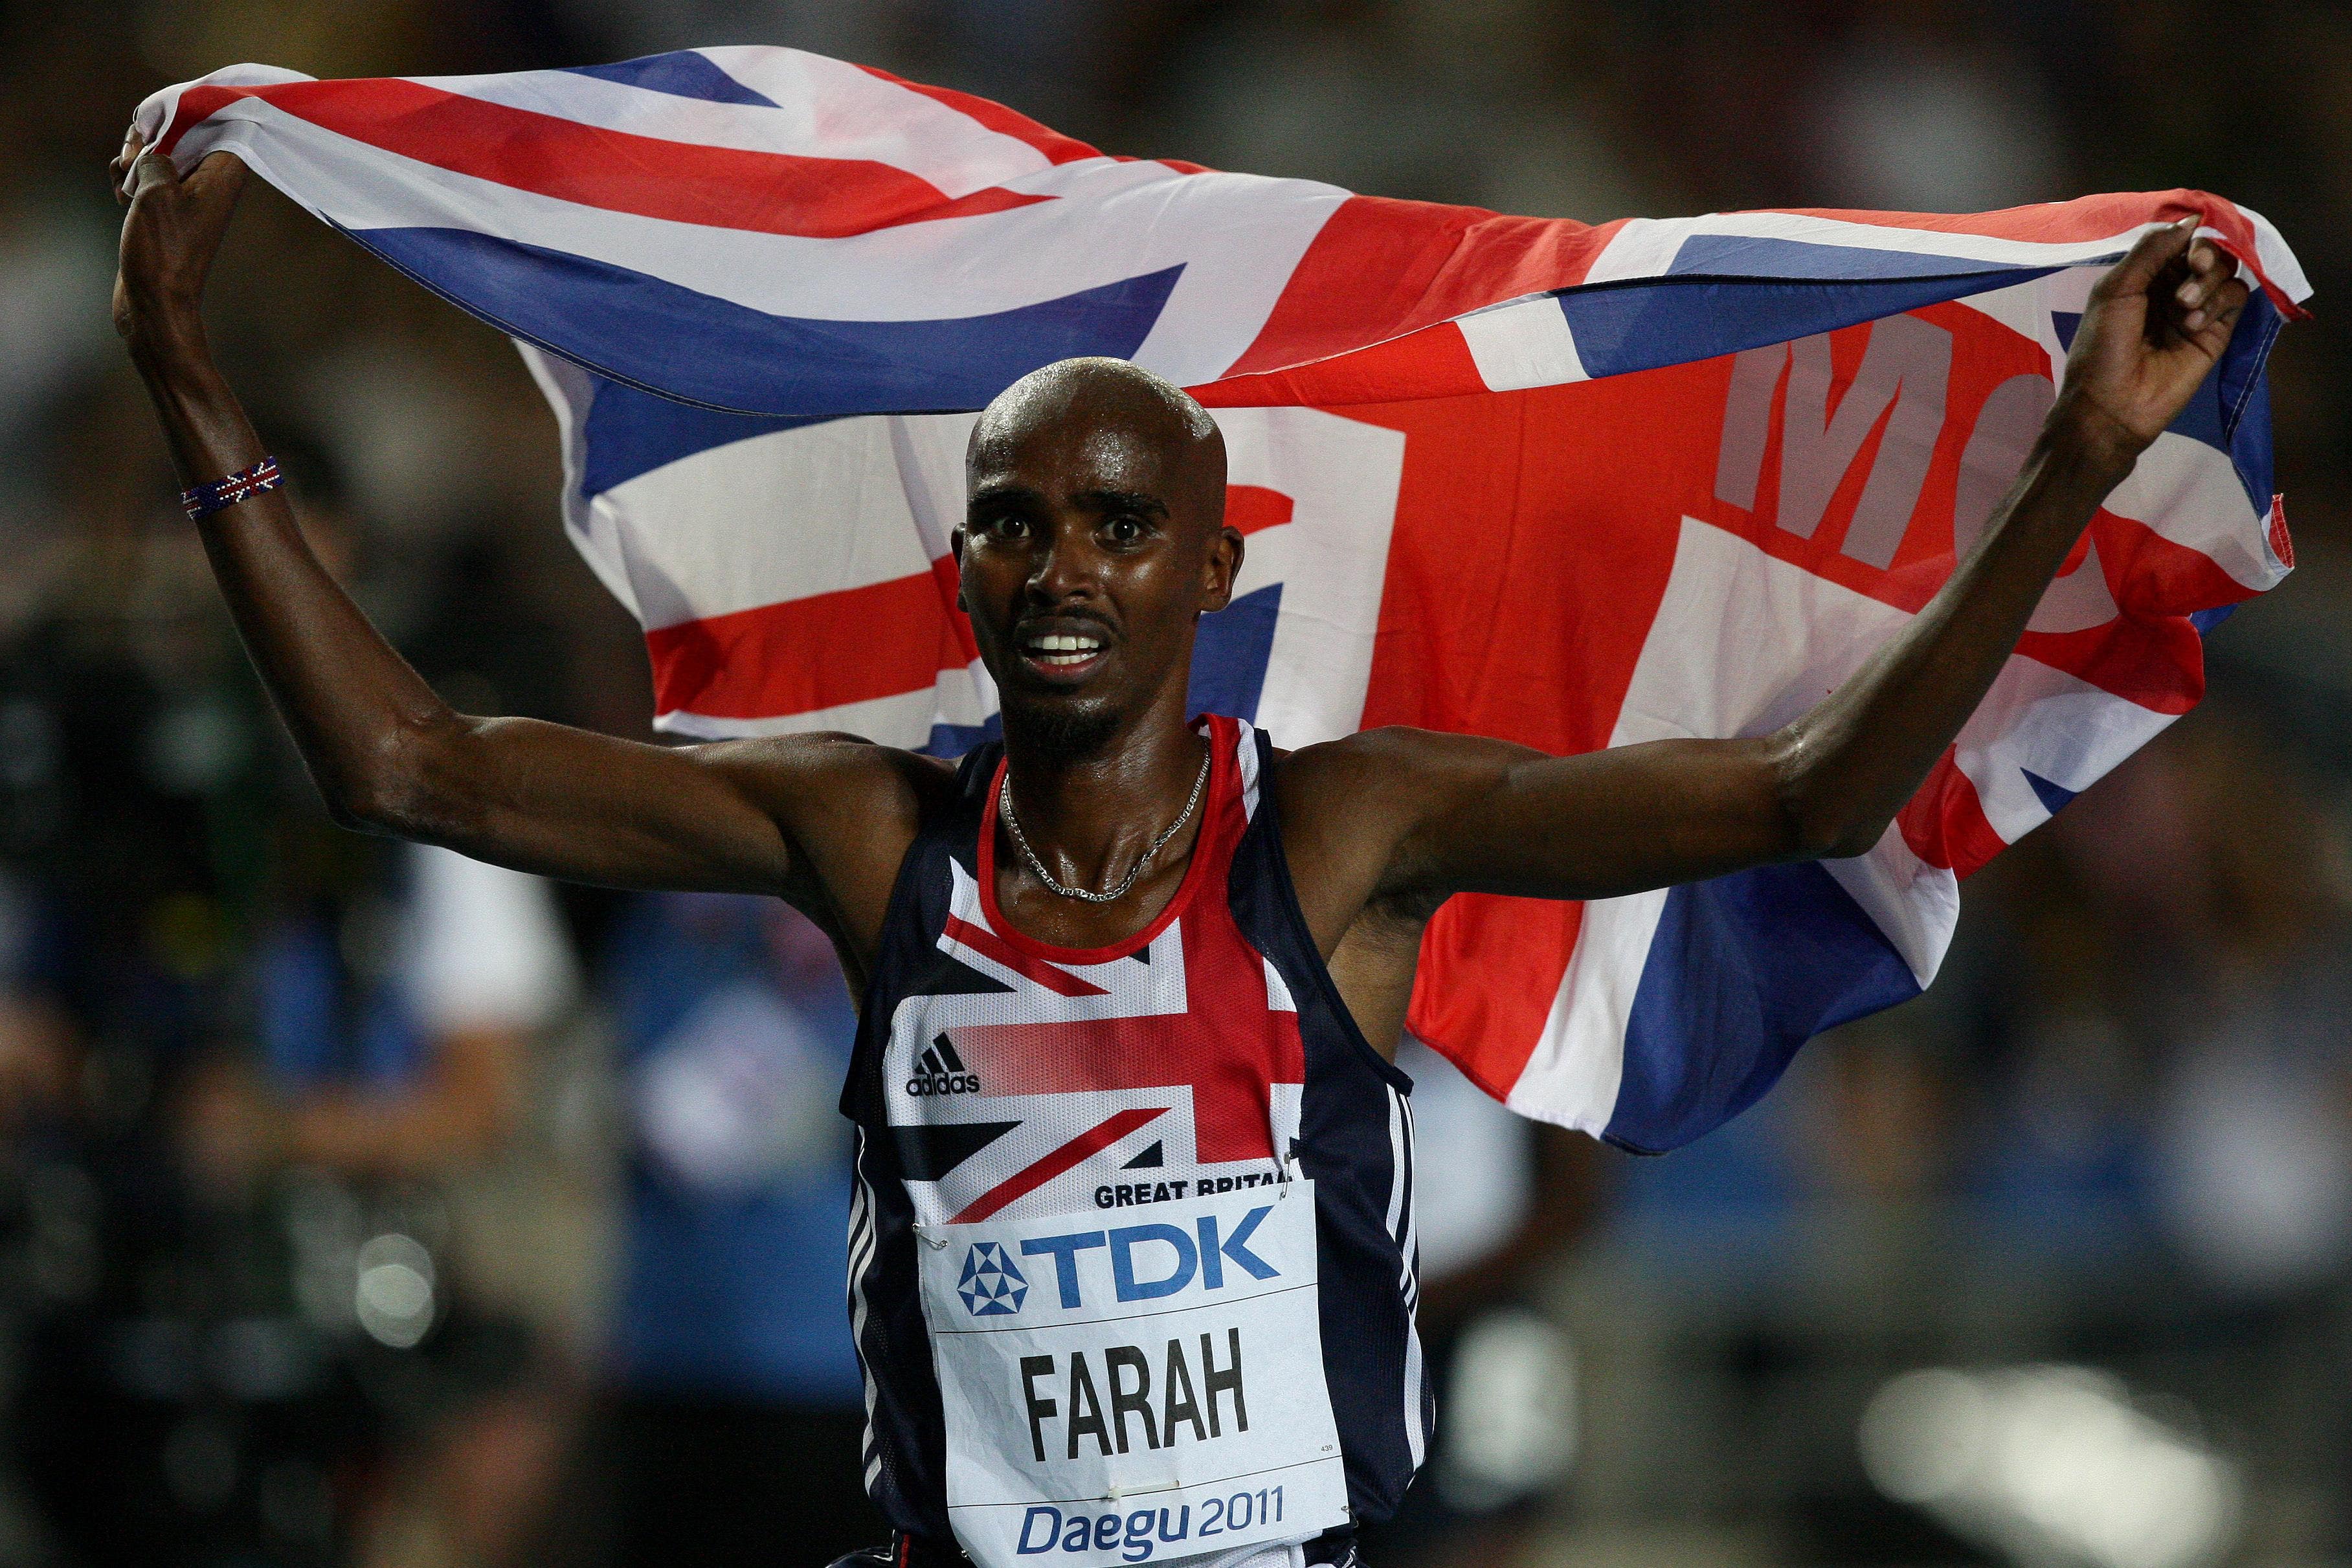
[(1220, 570), (955, 548)]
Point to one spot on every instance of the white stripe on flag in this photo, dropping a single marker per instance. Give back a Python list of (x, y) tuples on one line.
[(1647, 247), (1023, 256), (2271, 250), (1524, 343), (1913, 904), (1572, 1075), (823, 109), (1240, 237), (2190, 493), (597, 535), (1342, 479), (816, 509), (2044, 720), (964, 697), (1744, 642)]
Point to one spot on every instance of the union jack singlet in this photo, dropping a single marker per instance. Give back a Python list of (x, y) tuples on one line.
[(1001, 1079)]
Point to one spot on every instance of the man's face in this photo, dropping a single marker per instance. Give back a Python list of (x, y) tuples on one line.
[(1092, 543)]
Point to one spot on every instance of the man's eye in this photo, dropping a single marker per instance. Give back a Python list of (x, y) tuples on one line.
[(1009, 528), (1126, 529)]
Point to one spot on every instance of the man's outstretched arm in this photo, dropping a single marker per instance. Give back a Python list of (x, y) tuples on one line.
[(387, 753), (1489, 817)]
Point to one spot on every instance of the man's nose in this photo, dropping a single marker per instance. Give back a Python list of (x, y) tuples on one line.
[(1066, 566)]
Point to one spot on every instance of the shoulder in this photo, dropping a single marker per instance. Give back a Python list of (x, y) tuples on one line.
[(793, 765), (1348, 812), (850, 808), (832, 792), (1350, 809)]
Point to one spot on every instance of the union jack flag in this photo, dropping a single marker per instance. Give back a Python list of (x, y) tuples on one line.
[(1574, 486)]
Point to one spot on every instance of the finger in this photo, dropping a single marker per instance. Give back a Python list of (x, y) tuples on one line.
[(2156, 249), (216, 171), (2209, 331), (2225, 293), (2228, 300), (2190, 291), (2210, 268), (2234, 299), (152, 169), (119, 169)]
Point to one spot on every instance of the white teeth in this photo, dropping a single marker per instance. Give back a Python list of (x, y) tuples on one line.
[(1063, 648)]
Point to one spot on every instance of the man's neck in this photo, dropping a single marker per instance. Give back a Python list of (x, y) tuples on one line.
[(1090, 816)]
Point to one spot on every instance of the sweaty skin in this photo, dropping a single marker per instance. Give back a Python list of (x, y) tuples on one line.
[(1097, 496)]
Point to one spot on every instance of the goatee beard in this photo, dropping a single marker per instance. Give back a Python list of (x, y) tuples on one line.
[(1053, 733)]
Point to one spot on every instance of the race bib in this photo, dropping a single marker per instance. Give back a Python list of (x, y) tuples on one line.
[(1120, 1393)]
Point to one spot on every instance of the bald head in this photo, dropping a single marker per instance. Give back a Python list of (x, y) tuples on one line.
[(1102, 404), (1093, 540)]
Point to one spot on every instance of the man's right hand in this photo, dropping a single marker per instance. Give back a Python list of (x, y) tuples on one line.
[(821, 821), (170, 235)]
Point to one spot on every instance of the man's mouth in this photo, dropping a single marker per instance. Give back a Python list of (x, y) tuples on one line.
[(1061, 652)]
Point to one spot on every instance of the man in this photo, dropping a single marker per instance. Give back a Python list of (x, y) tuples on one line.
[(1123, 963)]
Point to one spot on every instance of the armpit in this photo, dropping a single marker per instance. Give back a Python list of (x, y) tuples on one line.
[(1373, 968)]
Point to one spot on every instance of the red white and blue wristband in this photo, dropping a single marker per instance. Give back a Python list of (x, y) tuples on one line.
[(204, 501)]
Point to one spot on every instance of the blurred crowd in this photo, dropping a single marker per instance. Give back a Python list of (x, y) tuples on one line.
[(365, 1204)]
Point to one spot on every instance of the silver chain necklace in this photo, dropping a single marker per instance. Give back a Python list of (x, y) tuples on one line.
[(1038, 866)]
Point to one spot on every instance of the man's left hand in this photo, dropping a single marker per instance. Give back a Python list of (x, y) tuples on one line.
[(2156, 324)]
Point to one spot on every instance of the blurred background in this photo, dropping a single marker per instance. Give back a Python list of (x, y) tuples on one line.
[(360, 1204)]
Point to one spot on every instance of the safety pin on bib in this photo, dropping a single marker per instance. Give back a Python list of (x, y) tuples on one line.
[(1282, 1170)]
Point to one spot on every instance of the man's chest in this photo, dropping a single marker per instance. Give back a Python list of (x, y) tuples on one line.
[(1018, 1081)]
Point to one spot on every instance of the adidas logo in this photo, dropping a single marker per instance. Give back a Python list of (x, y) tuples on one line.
[(939, 1070)]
